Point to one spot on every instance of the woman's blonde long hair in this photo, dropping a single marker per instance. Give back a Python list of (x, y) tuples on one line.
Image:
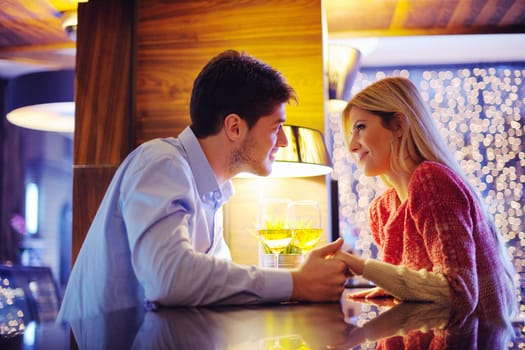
[(397, 101)]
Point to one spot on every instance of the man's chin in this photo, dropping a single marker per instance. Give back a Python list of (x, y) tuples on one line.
[(257, 172), (262, 171)]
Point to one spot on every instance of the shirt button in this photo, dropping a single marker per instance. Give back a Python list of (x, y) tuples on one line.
[(217, 195)]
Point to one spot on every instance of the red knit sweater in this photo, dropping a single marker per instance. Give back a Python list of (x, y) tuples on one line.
[(440, 228)]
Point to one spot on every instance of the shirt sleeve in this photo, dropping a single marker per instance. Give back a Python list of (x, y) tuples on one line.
[(220, 248), (407, 284), (172, 273), (158, 206)]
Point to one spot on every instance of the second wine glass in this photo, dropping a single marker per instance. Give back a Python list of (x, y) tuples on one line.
[(305, 221)]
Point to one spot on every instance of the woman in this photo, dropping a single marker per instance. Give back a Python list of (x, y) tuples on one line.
[(437, 241)]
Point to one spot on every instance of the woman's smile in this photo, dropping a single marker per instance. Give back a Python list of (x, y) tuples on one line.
[(370, 142)]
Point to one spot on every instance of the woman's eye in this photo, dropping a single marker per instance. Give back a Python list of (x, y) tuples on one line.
[(360, 127)]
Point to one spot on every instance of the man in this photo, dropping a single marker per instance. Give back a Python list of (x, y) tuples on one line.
[(157, 236)]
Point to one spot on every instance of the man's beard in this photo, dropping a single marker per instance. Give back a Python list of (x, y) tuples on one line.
[(241, 160)]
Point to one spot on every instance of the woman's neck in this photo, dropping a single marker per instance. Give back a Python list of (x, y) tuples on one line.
[(400, 181)]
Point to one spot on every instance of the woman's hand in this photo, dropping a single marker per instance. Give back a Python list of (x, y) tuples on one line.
[(372, 293)]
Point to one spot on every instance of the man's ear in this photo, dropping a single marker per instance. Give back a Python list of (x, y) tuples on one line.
[(233, 127)]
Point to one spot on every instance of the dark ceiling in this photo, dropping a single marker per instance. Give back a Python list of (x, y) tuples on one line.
[(359, 18), (31, 32)]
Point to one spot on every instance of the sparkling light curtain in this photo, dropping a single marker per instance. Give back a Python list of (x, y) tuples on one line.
[(479, 110)]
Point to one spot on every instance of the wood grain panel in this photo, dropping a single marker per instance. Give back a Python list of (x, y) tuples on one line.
[(103, 133), (89, 186), (514, 16), (48, 57), (176, 39), (25, 22), (491, 12), (358, 18)]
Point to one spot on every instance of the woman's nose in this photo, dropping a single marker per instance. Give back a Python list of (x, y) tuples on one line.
[(353, 145)]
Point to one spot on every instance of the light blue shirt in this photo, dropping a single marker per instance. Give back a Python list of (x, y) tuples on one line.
[(158, 236)]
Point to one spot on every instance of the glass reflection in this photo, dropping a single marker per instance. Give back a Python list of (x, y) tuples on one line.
[(418, 326), (384, 324)]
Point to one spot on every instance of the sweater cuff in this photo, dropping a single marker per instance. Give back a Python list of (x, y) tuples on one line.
[(382, 274)]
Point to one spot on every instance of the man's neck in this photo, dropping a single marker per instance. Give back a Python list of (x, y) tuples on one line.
[(217, 151)]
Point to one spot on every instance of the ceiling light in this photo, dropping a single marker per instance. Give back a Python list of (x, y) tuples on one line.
[(42, 101)]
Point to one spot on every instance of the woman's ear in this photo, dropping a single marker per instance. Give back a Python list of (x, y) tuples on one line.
[(233, 126), (399, 124)]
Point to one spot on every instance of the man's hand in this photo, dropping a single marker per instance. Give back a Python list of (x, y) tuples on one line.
[(320, 277)]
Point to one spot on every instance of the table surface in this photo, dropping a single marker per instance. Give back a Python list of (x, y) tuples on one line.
[(291, 326)]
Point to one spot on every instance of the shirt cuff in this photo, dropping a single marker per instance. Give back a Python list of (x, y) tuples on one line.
[(278, 284)]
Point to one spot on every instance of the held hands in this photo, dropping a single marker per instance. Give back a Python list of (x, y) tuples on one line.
[(320, 277), (355, 264)]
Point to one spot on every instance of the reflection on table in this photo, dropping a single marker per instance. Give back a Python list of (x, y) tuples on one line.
[(383, 324)]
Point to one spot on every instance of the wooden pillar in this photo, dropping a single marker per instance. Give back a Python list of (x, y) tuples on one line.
[(136, 66), (104, 110)]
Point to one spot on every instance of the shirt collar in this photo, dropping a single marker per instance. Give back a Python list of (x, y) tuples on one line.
[(205, 178)]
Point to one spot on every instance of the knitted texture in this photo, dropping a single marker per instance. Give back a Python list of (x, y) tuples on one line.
[(441, 228)]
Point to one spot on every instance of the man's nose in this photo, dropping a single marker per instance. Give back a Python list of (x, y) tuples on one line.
[(282, 140)]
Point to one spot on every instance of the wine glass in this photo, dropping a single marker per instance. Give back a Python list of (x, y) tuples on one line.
[(273, 227), (305, 221)]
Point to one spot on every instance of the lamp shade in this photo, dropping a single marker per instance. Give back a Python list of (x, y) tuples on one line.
[(343, 66), (305, 155), (42, 101)]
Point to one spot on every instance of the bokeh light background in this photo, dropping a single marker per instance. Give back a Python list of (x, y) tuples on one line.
[(479, 110)]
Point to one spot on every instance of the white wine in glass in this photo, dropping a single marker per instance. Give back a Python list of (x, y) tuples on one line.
[(273, 227), (305, 220), (276, 239)]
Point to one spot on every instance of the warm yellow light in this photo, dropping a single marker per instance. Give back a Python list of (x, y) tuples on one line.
[(305, 155), (66, 5), (69, 19)]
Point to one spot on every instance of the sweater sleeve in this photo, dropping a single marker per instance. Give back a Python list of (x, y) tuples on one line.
[(440, 206), (407, 284)]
